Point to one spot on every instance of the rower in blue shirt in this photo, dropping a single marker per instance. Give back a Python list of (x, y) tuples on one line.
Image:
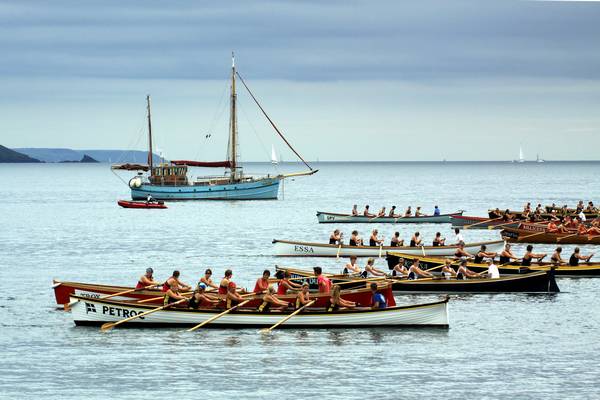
[(436, 211), (378, 300)]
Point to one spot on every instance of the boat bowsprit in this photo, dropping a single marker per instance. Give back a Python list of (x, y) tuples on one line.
[(141, 204), (96, 312), (329, 217), (310, 249)]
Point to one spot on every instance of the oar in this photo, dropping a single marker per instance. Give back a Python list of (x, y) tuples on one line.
[(200, 325), (338, 252), (151, 299), (423, 250), (377, 278), (267, 330), (71, 304), (564, 237), (481, 222), (528, 236), (109, 325), (499, 225)]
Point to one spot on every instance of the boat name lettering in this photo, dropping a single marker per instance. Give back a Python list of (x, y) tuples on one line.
[(88, 295), (303, 249), (330, 218), (119, 312)]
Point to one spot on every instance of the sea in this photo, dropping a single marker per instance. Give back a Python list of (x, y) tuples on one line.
[(61, 221)]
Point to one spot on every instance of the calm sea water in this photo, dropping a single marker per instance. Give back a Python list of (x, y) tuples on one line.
[(62, 221)]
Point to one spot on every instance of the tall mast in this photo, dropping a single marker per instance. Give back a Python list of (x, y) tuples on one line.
[(233, 125), (150, 163)]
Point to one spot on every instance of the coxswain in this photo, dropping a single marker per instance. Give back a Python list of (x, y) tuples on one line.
[(355, 210), (396, 241), (415, 240), (173, 294), (286, 284), (224, 284), (408, 212), (355, 240), (461, 252), (323, 281), (447, 270), (366, 212), (336, 302), (351, 268), (374, 240), (303, 297), (199, 297), (336, 237), (378, 300), (207, 280), (436, 211), (530, 255), (381, 212), (174, 280), (147, 280), (270, 301), (439, 240), (458, 236), (576, 257), (262, 283), (400, 269), (482, 253), (150, 199), (370, 269), (232, 297), (556, 258), (393, 212), (507, 256), (415, 271), (418, 212), (464, 272), (492, 271)]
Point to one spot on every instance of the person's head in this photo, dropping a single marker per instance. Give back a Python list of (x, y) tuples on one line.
[(373, 287), (371, 261), (490, 261), (447, 262), (576, 251), (529, 247), (335, 291), (416, 262), (383, 208), (461, 245), (418, 208), (149, 272), (228, 273), (175, 274), (318, 270), (559, 249), (393, 207), (355, 232), (397, 234), (305, 287), (201, 287), (336, 232), (375, 232), (438, 234), (507, 246), (456, 230), (367, 207), (435, 207), (355, 206), (352, 259), (401, 261), (417, 234), (409, 207), (266, 274), (279, 274), (483, 247), (287, 274)]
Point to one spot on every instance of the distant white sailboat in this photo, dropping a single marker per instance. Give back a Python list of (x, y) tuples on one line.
[(274, 156), (538, 159), (521, 158)]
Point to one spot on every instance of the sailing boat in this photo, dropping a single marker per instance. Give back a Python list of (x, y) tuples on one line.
[(274, 160), (169, 181), (521, 158), (538, 159)]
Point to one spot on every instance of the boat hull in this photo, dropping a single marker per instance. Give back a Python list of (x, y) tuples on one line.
[(526, 236), (285, 248), (260, 189), (140, 204), (336, 218), (461, 221), (97, 312)]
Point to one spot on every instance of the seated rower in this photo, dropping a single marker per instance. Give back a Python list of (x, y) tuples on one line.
[(464, 272), (581, 229), (378, 300), (570, 223), (461, 252), (396, 241), (355, 210), (381, 212), (286, 284), (232, 298), (415, 240), (207, 280), (530, 256), (576, 257), (366, 212), (270, 301), (399, 269), (374, 240), (556, 258), (150, 200), (492, 271), (590, 208), (552, 227), (370, 269), (351, 268), (303, 297), (458, 236), (415, 271), (436, 211), (355, 240), (553, 216), (174, 281), (418, 212), (323, 281), (447, 270), (439, 240), (482, 253), (200, 297), (336, 237), (336, 302), (147, 280), (224, 284), (507, 256), (393, 212), (507, 216), (495, 214), (262, 283), (408, 212), (594, 229), (173, 294)]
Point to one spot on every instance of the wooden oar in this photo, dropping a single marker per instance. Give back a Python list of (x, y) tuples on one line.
[(338, 252), (499, 225), (71, 304), (528, 236), (363, 280), (267, 330), (160, 298), (200, 325), (564, 237), (481, 222), (109, 325)]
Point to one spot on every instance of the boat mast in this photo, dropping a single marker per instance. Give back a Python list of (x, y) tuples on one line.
[(233, 125), (150, 163)]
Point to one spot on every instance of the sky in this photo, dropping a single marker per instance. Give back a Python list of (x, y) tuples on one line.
[(343, 80)]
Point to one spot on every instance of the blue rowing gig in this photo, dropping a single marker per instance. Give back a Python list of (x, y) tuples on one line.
[(337, 218)]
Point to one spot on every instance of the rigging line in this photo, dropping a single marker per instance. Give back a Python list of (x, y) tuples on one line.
[(130, 148), (272, 124), (255, 131), (219, 110)]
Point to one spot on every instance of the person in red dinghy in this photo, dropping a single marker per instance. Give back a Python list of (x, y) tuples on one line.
[(174, 280), (147, 280)]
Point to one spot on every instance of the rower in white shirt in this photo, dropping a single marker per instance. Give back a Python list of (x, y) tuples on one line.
[(459, 236), (492, 271)]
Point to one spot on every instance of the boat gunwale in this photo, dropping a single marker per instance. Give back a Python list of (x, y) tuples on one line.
[(347, 246)]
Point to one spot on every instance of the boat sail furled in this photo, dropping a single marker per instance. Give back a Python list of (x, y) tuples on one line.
[(169, 181)]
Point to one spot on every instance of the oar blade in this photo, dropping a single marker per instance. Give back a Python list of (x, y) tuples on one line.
[(107, 326)]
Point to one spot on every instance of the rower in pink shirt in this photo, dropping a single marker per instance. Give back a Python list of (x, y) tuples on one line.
[(323, 281)]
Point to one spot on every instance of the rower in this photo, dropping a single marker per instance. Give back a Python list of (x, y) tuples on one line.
[(174, 280), (507, 256), (262, 283), (415, 240), (576, 257), (594, 229), (355, 210), (224, 284), (439, 240), (366, 212), (481, 254), (303, 297), (336, 302), (381, 212), (147, 280), (464, 272), (199, 296), (492, 271), (150, 199), (207, 280), (370, 269), (173, 294), (408, 212), (495, 214), (415, 271), (590, 208), (507, 217), (399, 269), (458, 236), (393, 212), (285, 284), (556, 257), (323, 281), (336, 237), (355, 240), (270, 301), (374, 240), (396, 241), (581, 229), (351, 268), (378, 300), (447, 270), (530, 255), (461, 252), (436, 211), (232, 298), (418, 212)]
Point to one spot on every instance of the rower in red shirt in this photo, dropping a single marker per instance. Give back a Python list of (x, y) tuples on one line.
[(224, 285), (262, 284), (174, 280), (147, 280), (285, 284), (323, 281)]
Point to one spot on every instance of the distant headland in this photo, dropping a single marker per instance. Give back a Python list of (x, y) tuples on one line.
[(63, 155)]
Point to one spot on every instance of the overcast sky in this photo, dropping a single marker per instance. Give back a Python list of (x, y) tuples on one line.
[(344, 80)]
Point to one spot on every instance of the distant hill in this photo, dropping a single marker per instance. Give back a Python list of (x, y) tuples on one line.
[(103, 156), (84, 159), (10, 156)]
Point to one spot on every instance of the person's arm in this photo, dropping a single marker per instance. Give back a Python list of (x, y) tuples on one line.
[(346, 303), (291, 286), (378, 272)]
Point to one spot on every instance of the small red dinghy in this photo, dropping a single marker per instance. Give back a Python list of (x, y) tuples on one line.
[(140, 204)]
